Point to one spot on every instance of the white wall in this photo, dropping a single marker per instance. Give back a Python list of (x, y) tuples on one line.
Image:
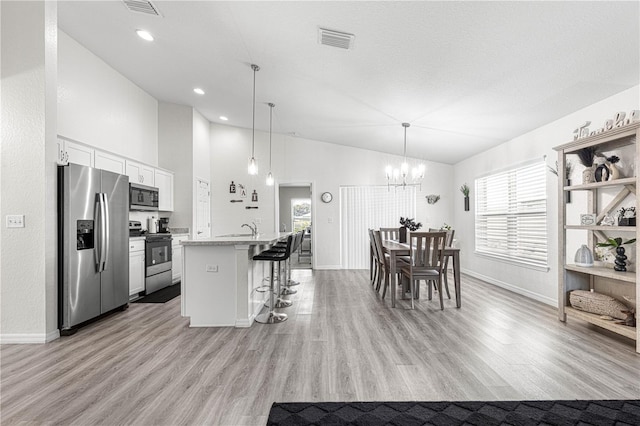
[(539, 285), (326, 166), (175, 145), (100, 107), (28, 295)]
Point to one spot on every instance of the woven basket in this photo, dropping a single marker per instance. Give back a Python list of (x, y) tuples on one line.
[(597, 303)]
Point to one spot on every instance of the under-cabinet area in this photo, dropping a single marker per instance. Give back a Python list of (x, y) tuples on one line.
[(597, 203)]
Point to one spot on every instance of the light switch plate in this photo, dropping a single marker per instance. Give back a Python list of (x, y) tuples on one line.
[(15, 221)]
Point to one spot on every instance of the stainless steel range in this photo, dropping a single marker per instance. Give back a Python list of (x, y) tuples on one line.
[(158, 262)]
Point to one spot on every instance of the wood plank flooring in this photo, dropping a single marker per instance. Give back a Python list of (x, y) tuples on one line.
[(342, 342)]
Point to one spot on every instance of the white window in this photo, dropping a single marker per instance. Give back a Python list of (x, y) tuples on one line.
[(511, 215)]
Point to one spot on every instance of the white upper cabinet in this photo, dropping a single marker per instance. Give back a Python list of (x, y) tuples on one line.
[(164, 183), (140, 173), (110, 162), (71, 152)]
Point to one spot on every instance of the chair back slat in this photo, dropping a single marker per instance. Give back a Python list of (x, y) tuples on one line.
[(372, 242), (390, 233), (426, 252), (450, 233), (378, 242)]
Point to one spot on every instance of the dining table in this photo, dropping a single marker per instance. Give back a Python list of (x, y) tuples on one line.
[(396, 249)]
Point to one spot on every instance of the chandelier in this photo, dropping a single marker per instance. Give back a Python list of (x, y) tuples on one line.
[(400, 176)]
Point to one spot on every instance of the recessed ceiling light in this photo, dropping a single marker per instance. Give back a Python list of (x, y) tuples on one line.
[(199, 91), (223, 118), (144, 35)]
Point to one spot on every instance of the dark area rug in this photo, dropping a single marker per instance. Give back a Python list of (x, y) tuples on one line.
[(449, 413), (161, 296)]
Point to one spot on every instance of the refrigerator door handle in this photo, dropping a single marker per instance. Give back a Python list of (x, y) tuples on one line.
[(98, 230), (103, 235), (107, 233)]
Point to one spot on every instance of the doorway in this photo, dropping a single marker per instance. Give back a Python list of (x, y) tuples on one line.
[(296, 214)]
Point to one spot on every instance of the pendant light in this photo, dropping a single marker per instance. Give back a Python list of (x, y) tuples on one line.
[(253, 165), (399, 177), (270, 175)]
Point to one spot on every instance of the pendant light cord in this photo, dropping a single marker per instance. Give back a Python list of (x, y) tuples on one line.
[(253, 125), (271, 105)]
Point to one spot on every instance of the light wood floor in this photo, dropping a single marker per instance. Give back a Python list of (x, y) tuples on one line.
[(145, 366)]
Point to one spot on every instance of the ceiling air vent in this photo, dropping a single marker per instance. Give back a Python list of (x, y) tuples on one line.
[(142, 6), (335, 38)]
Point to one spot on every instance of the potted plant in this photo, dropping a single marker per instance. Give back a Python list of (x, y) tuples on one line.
[(465, 191), (586, 156), (406, 223), (621, 258), (627, 216)]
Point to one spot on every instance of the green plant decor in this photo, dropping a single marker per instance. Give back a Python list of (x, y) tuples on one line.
[(465, 190)]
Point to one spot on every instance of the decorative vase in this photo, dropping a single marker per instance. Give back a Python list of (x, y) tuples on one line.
[(621, 260), (584, 257), (567, 182), (402, 235), (588, 175), (614, 172), (466, 204)]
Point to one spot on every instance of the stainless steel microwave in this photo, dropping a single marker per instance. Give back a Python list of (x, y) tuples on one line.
[(142, 197)]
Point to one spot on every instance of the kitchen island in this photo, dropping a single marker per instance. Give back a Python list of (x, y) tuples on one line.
[(220, 278)]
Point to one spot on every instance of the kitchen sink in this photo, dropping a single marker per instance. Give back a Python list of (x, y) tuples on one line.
[(236, 235)]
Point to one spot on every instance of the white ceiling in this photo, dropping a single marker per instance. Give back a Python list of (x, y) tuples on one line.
[(466, 75)]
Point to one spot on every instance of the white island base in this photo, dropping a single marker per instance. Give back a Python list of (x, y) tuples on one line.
[(220, 279)]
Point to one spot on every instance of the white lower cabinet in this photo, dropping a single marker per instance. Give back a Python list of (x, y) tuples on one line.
[(136, 267), (176, 258)]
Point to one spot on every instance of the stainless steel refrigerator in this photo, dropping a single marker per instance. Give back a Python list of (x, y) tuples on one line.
[(93, 249)]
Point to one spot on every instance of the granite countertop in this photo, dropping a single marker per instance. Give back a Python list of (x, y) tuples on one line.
[(238, 239)]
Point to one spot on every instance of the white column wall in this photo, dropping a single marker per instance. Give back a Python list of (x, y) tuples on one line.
[(540, 285), (175, 146), (28, 294)]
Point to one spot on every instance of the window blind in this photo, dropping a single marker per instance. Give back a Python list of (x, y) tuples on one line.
[(511, 215), (364, 207)]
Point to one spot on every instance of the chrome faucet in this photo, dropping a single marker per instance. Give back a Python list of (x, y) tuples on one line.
[(254, 228)]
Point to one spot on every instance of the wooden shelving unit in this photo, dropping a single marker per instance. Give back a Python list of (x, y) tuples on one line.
[(601, 279)]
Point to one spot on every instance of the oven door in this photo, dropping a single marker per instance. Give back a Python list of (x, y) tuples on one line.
[(158, 256)]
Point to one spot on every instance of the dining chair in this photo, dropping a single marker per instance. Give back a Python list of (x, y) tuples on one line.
[(383, 264), (390, 233), (445, 267), (425, 261), (373, 258)]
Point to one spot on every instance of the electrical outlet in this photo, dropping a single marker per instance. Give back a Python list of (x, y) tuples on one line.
[(330, 220), (212, 268), (15, 221), (258, 220)]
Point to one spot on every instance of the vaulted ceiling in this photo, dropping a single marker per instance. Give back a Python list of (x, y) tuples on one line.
[(466, 75)]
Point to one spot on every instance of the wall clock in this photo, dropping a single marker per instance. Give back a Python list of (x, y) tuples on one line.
[(326, 197)]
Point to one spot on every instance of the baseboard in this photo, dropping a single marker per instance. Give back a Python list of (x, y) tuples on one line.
[(32, 338), (328, 267), (245, 323), (511, 287)]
